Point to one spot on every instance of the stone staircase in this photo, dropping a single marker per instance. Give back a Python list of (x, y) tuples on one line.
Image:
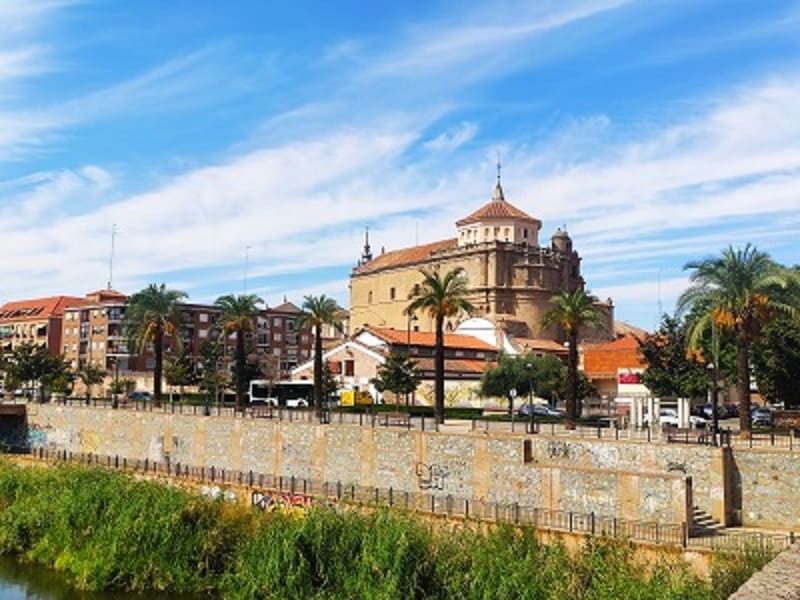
[(703, 524)]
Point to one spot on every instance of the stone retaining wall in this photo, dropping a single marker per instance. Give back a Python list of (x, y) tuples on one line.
[(612, 479)]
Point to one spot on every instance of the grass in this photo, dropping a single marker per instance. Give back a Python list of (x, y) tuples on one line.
[(107, 531)]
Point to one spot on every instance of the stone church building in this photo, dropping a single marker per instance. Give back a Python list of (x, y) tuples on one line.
[(512, 277)]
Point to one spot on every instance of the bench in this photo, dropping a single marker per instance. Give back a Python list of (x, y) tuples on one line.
[(394, 418)]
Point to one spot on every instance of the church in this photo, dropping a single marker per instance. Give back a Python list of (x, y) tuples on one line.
[(511, 276)]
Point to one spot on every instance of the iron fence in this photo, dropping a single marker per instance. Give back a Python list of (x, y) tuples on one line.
[(669, 534)]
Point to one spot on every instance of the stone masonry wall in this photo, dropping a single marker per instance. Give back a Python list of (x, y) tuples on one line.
[(768, 482), (578, 476)]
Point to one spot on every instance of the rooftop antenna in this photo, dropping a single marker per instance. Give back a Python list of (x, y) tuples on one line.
[(498, 167), (246, 261), (111, 256)]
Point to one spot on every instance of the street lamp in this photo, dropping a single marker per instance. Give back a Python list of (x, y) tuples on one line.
[(411, 317), (529, 367), (712, 370)]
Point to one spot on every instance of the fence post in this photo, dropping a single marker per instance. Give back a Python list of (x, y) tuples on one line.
[(338, 490), (433, 503), (591, 522), (570, 521), (466, 508), (391, 499), (352, 491), (496, 511), (516, 512), (684, 534), (657, 537)]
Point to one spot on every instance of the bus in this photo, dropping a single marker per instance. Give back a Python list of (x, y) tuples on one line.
[(292, 394)]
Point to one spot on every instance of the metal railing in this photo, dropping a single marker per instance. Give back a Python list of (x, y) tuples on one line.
[(431, 503)]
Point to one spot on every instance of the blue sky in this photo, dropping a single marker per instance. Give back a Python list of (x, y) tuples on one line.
[(657, 131)]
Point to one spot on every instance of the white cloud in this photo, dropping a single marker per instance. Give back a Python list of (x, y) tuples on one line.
[(450, 140)]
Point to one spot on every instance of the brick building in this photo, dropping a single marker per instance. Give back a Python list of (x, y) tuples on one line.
[(36, 321)]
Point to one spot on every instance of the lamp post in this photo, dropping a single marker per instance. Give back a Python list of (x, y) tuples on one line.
[(529, 367), (712, 370), (411, 317)]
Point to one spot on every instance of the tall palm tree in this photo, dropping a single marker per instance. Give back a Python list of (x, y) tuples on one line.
[(440, 297), (738, 291), (238, 315), (572, 311), (318, 311), (151, 314)]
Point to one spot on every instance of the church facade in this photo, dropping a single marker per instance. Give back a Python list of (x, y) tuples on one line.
[(511, 276)]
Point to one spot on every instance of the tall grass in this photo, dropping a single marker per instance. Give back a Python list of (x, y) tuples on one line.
[(105, 531)]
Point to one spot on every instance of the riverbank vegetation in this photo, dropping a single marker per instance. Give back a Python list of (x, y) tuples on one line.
[(106, 531)]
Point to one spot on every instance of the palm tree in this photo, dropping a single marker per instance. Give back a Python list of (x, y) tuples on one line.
[(318, 311), (440, 297), (151, 314), (572, 311), (238, 315), (738, 291)]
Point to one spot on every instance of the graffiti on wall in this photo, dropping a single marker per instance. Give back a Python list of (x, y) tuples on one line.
[(277, 501), (37, 435), (431, 477), (558, 450)]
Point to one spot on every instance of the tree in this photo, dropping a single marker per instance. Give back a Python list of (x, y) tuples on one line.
[(670, 370), (397, 375), (33, 366), (152, 314), (739, 291), (178, 372), (238, 316), (90, 375), (572, 311), (440, 297), (213, 376), (317, 312), (330, 385), (516, 373), (776, 361)]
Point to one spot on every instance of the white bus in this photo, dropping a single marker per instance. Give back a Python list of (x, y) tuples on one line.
[(292, 394)]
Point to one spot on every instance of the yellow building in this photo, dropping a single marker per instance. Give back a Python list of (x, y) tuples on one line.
[(512, 277)]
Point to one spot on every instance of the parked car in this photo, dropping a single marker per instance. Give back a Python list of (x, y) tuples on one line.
[(668, 417), (727, 410), (140, 396), (761, 417), (539, 410)]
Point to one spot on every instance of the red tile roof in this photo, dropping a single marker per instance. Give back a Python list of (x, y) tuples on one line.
[(603, 360), (427, 339), (38, 308), (472, 366), (406, 256), (548, 346), (497, 209)]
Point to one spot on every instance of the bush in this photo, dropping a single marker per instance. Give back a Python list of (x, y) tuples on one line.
[(107, 531)]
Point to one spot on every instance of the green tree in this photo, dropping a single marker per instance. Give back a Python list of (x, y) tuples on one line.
[(34, 366), (516, 373), (318, 311), (776, 361), (238, 316), (440, 297), (330, 385), (739, 291), (90, 375), (152, 314), (670, 370), (572, 311), (397, 375), (213, 376), (178, 371)]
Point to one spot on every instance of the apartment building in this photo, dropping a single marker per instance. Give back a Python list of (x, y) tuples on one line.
[(93, 334), (37, 321)]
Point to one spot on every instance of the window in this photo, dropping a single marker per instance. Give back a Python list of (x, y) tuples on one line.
[(203, 317), (391, 293), (349, 368), (277, 336), (276, 322), (66, 347), (74, 347), (276, 351), (507, 233), (525, 233), (369, 297), (459, 353), (289, 325), (202, 333), (304, 339)]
